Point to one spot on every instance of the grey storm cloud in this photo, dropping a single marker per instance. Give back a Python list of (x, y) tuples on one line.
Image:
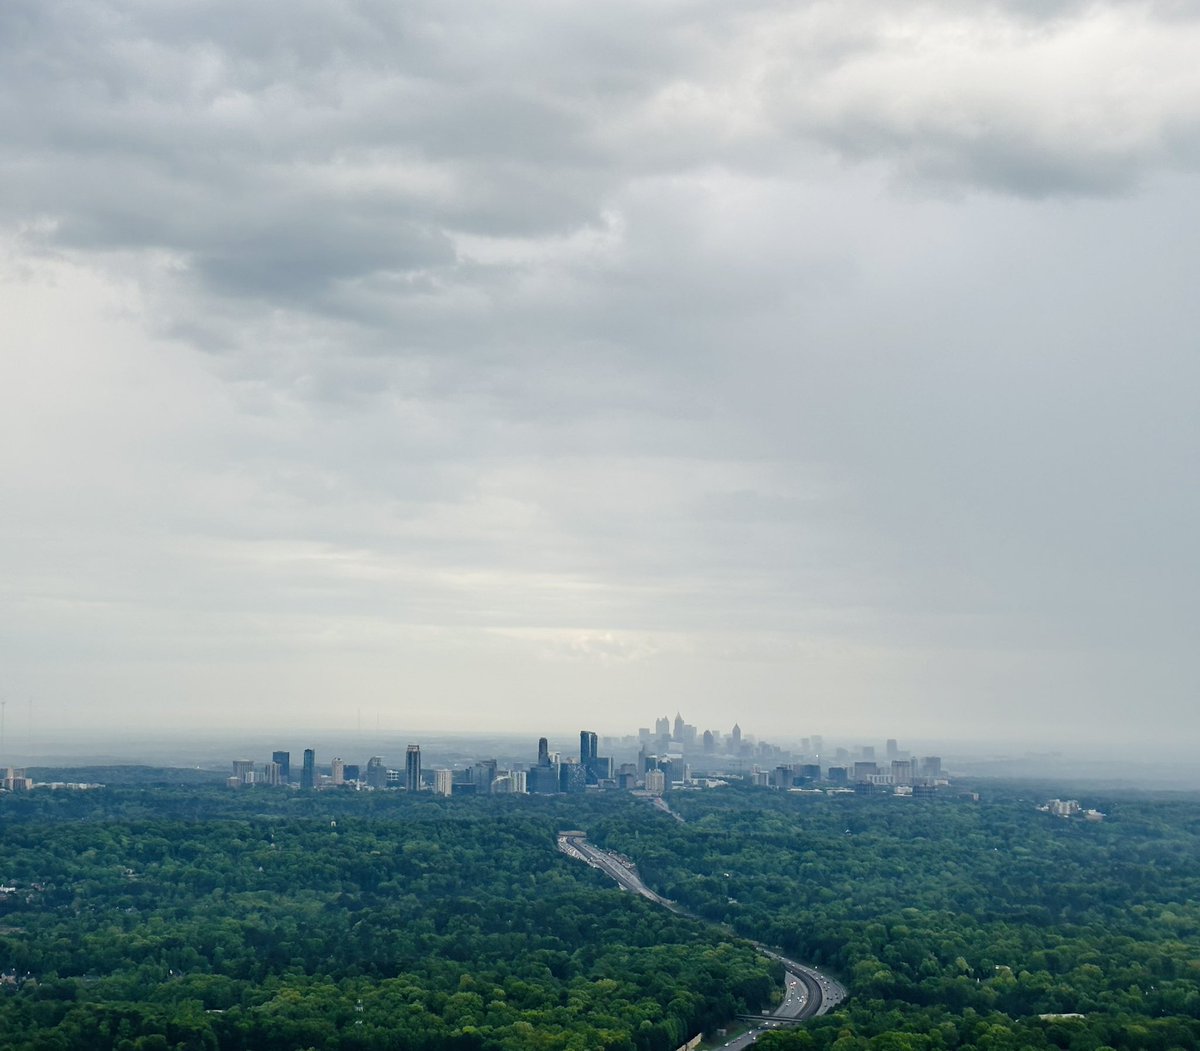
[(211, 130), (840, 349)]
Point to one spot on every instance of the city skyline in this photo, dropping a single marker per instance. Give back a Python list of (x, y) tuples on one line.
[(381, 758), (673, 755), (126, 748), (32, 738)]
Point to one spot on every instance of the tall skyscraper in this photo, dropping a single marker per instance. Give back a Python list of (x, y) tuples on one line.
[(595, 768), (736, 737), (376, 776), (587, 746), (284, 759), (243, 770), (412, 768), (308, 774), (483, 774), (338, 769), (443, 783), (679, 724), (893, 749), (270, 773), (543, 752)]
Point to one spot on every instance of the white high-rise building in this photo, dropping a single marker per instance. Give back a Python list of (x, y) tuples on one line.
[(443, 782)]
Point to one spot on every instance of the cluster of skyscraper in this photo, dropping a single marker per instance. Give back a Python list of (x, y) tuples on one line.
[(279, 772), (551, 774), (681, 738), (554, 773), (665, 758), (863, 774)]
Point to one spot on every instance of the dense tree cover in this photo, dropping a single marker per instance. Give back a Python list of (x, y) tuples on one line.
[(954, 924), (196, 919)]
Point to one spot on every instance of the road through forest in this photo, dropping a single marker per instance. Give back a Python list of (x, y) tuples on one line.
[(809, 992)]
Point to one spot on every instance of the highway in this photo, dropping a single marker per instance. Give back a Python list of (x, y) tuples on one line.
[(575, 845), (816, 993), (809, 993)]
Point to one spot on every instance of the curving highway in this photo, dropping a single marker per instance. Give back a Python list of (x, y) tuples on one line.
[(809, 993)]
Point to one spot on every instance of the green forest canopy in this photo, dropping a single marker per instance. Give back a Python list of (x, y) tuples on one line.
[(200, 918)]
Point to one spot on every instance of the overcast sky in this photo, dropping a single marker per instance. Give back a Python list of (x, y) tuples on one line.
[(828, 366)]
